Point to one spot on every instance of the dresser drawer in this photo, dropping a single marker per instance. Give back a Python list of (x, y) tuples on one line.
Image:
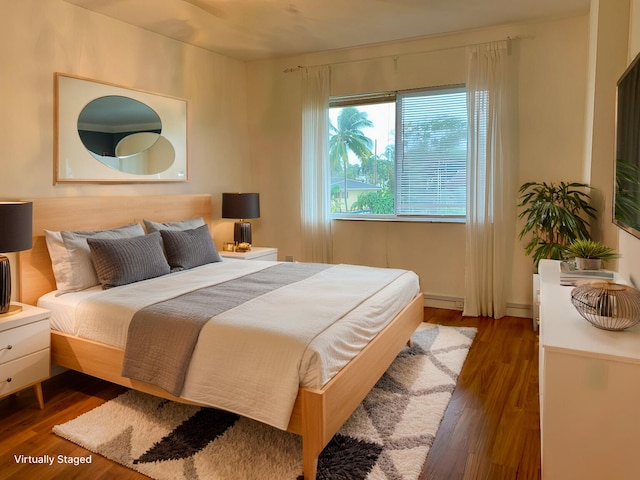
[(24, 371), (19, 341)]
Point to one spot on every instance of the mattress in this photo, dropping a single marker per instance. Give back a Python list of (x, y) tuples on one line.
[(325, 354)]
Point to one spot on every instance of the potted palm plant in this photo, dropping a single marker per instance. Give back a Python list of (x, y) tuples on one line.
[(589, 254), (555, 215)]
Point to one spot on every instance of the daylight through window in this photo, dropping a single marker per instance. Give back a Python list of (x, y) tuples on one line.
[(399, 154)]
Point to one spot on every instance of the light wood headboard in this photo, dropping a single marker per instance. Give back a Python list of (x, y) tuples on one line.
[(35, 276)]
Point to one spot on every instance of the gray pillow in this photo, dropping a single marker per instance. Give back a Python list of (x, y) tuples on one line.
[(71, 258), (189, 248), (127, 260), (151, 226)]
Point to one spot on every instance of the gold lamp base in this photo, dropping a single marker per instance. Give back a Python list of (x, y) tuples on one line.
[(13, 309)]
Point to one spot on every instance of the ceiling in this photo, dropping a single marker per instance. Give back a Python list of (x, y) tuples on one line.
[(258, 29)]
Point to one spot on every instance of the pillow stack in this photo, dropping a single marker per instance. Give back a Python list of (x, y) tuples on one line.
[(124, 255)]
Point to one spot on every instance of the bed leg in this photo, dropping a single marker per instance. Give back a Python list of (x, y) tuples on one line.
[(309, 464), (313, 428)]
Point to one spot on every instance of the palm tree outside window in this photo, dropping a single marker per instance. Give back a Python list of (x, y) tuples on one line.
[(399, 154)]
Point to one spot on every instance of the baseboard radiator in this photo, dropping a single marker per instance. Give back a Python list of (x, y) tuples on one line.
[(457, 303)]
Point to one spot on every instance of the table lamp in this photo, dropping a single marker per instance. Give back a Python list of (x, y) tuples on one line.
[(241, 206), (15, 236)]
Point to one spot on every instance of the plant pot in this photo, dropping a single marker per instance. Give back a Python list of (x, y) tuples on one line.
[(588, 263)]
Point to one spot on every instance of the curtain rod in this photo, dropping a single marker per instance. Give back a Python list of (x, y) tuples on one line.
[(395, 57)]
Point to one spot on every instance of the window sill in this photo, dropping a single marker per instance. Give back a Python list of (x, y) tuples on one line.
[(382, 218)]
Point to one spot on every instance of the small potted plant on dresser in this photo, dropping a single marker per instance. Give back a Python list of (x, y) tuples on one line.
[(555, 215), (589, 254)]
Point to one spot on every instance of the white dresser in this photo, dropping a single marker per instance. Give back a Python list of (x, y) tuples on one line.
[(24, 351), (589, 391)]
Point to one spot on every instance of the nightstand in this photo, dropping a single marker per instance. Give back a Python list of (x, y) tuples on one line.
[(24, 351), (256, 253)]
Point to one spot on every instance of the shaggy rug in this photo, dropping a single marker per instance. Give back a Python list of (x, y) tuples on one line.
[(387, 437)]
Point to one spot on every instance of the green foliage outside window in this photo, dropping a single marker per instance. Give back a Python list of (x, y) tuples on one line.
[(431, 177), (379, 202)]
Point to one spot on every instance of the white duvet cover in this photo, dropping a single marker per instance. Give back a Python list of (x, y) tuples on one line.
[(252, 359)]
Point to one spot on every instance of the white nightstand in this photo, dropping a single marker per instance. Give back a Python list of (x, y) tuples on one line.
[(24, 351), (256, 253)]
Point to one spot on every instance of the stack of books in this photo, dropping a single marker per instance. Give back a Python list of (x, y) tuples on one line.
[(570, 275)]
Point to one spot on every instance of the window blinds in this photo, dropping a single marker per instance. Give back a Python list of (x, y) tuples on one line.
[(431, 145)]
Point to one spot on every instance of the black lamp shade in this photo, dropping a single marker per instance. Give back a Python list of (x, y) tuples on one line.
[(240, 205), (15, 226), (15, 235)]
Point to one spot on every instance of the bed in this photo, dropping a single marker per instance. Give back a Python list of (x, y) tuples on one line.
[(318, 411)]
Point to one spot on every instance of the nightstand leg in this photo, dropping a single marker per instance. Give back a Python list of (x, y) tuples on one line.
[(38, 389)]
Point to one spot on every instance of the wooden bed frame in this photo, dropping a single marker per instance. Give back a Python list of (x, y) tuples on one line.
[(318, 413)]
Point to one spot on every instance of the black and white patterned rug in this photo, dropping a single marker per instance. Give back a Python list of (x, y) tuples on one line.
[(387, 437)]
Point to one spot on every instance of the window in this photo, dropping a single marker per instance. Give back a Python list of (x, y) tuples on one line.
[(399, 154)]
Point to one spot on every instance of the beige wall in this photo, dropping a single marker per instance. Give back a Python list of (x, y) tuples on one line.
[(40, 37), (607, 61), (629, 264), (552, 66)]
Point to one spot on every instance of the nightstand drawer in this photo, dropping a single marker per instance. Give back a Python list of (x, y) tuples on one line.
[(23, 340), (24, 371)]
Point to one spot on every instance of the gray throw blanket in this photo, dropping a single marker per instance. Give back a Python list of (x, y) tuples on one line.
[(162, 336)]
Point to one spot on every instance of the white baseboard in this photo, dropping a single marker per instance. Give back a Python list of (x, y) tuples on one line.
[(517, 310), (457, 303), (439, 301)]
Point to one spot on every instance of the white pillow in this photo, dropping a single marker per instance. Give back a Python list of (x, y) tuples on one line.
[(59, 258), (71, 257)]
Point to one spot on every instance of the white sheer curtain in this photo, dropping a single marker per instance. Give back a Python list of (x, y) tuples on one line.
[(314, 191), (491, 202)]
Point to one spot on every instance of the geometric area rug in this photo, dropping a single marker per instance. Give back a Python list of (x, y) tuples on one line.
[(387, 437)]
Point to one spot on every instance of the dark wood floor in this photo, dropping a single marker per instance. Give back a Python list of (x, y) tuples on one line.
[(490, 430)]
